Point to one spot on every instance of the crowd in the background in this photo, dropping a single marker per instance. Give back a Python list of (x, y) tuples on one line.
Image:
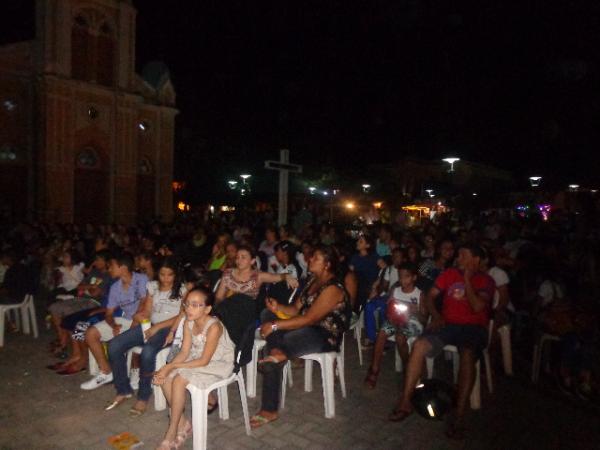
[(109, 288)]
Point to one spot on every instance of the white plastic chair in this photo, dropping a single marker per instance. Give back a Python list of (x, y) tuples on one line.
[(200, 405), (538, 349), (252, 367), (398, 361), (506, 347), (24, 315), (357, 327), (476, 392), (327, 361), (160, 402)]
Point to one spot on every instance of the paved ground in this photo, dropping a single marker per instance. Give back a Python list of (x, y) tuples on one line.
[(40, 410)]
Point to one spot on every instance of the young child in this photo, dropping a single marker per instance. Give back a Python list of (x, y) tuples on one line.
[(405, 318), (206, 356)]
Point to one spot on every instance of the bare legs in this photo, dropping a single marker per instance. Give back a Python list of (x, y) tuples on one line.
[(92, 339), (413, 372), (174, 390)]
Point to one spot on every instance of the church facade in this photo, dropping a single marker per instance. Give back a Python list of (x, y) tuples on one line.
[(83, 138)]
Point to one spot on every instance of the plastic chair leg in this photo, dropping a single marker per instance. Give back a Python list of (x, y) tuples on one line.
[(251, 370), (398, 361), (283, 393), (242, 389), (340, 369), (33, 318), (455, 365), (223, 403), (328, 393), (358, 337), (199, 419), (308, 365), (24, 310), (429, 363)]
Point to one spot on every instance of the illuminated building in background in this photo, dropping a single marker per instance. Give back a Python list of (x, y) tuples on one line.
[(87, 139)]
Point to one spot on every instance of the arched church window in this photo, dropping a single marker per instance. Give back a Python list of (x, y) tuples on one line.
[(105, 69), (88, 159), (81, 39)]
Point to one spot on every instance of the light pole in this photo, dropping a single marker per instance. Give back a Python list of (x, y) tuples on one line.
[(535, 181), (573, 187), (232, 184), (366, 188), (451, 161), (429, 192)]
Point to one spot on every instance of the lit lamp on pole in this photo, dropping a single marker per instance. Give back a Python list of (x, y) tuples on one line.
[(244, 177), (232, 184), (312, 190), (451, 161), (366, 188), (429, 192), (535, 181), (573, 187)]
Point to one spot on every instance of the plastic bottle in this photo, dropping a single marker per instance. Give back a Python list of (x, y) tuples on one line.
[(145, 326)]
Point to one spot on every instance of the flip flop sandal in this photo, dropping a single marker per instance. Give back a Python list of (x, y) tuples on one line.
[(134, 412), (115, 403), (183, 435), (271, 362), (259, 421), (71, 371), (398, 415)]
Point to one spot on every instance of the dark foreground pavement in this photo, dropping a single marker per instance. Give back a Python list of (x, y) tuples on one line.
[(40, 410)]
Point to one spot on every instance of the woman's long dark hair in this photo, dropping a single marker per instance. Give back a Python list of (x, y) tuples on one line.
[(172, 263)]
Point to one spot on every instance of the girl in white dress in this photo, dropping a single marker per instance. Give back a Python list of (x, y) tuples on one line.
[(206, 356)]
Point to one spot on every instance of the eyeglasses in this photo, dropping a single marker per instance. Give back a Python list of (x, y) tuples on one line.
[(193, 305)]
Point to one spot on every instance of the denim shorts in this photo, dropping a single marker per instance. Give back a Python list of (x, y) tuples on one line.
[(472, 337)]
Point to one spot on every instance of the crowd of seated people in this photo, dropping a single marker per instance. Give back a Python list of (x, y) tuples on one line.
[(111, 288)]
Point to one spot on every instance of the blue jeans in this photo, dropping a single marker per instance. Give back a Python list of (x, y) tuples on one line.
[(117, 356), (374, 306)]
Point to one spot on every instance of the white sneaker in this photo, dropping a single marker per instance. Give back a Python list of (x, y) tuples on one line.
[(134, 379), (97, 381)]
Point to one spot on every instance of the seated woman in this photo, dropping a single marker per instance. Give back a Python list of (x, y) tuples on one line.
[(318, 320), (206, 356), (245, 279), (162, 306)]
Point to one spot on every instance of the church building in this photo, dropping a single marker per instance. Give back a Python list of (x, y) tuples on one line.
[(83, 137)]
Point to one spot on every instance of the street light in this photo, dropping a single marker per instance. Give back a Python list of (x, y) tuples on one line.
[(366, 188), (451, 161), (244, 177), (573, 187), (429, 192), (312, 190), (535, 181), (232, 184)]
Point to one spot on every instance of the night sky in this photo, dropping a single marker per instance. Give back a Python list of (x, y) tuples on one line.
[(514, 84)]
